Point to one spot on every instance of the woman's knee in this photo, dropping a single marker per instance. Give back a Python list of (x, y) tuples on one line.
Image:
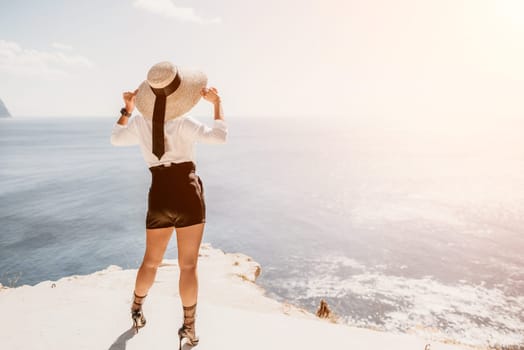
[(151, 263), (187, 266)]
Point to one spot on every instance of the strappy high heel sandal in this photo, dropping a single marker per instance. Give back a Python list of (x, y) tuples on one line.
[(188, 328), (137, 314)]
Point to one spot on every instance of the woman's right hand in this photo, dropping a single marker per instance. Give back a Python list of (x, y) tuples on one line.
[(210, 94), (129, 100)]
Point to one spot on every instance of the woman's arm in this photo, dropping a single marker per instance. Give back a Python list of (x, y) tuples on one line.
[(199, 132), (125, 132), (203, 133), (212, 96)]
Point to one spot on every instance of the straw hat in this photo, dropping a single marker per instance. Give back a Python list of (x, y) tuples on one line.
[(186, 82)]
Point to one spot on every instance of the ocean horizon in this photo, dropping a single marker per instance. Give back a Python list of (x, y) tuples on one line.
[(400, 228)]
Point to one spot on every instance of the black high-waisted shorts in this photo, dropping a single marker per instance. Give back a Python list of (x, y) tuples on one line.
[(176, 196)]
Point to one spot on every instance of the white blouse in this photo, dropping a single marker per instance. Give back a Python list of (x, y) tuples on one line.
[(180, 134)]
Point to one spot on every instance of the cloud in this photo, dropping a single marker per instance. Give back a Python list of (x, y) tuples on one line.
[(168, 9), (19, 61), (61, 46)]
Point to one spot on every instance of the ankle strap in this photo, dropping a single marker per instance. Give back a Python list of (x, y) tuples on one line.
[(138, 296), (189, 307)]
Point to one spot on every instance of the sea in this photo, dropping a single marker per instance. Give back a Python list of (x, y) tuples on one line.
[(402, 226)]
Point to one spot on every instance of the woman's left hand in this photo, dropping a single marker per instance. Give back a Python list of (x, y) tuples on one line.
[(129, 100)]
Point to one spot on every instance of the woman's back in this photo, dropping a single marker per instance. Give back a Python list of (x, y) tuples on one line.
[(180, 134)]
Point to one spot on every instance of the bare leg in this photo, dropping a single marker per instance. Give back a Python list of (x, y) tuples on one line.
[(188, 242), (156, 244)]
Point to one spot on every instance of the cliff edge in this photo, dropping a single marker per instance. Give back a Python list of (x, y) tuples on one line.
[(233, 313)]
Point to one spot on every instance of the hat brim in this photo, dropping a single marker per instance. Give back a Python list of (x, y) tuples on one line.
[(185, 97)]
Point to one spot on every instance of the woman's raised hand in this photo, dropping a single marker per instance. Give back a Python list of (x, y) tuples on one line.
[(210, 94), (129, 100)]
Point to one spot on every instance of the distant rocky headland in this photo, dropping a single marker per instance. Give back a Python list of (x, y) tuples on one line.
[(4, 113)]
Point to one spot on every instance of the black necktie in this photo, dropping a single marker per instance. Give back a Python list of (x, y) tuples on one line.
[(159, 112)]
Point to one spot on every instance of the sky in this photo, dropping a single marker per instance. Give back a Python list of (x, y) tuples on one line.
[(400, 59)]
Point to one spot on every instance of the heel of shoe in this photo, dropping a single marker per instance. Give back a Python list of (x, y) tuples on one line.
[(188, 327), (137, 315), (193, 341), (139, 320)]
